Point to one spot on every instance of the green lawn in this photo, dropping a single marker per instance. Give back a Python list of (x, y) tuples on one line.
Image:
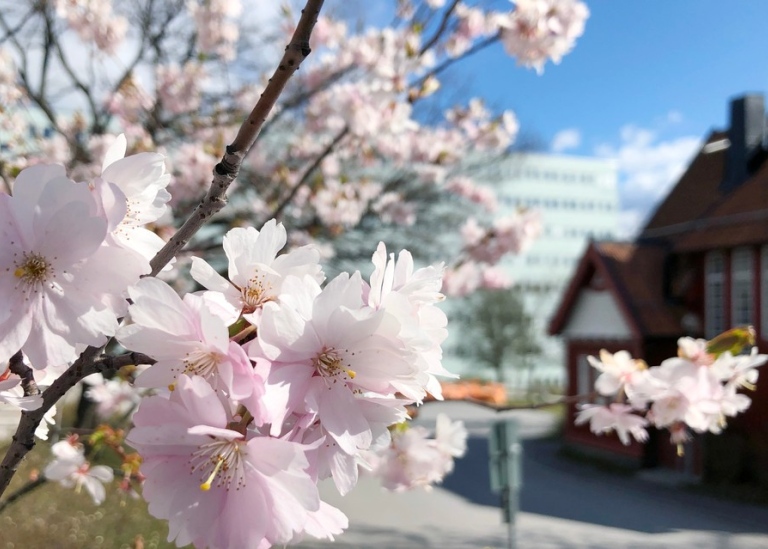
[(57, 518)]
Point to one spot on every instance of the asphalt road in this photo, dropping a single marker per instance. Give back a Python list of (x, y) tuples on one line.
[(564, 504)]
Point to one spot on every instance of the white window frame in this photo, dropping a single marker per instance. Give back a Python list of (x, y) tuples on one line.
[(764, 292), (714, 293), (742, 287), (583, 378)]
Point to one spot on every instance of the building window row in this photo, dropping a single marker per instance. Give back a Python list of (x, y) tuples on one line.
[(551, 175), (738, 289), (549, 260), (559, 204)]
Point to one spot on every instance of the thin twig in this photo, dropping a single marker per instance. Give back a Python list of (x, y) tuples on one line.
[(505, 407), (441, 28), (451, 60), (277, 212), (226, 171), (24, 490)]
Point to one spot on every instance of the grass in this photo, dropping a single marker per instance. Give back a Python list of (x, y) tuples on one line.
[(58, 518)]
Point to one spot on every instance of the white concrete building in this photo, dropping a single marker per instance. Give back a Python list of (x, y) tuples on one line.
[(578, 200)]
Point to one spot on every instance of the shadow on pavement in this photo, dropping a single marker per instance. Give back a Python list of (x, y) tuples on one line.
[(558, 487)]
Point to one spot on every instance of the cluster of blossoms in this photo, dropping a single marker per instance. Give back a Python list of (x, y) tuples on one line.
[(217, 33), (69, 250), (695, 391), (360, 91), (94, 22), (268, 367), (416, 460), (263, 383), (538, 30)]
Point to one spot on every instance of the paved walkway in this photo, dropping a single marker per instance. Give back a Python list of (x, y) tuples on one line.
[(565, 505)]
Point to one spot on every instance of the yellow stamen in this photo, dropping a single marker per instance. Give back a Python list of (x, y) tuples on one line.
[(205, 486), (680, 450), (20, 272), (172, 387), (351, 373)]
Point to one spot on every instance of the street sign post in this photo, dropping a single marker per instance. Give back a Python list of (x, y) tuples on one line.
[(506, 455)]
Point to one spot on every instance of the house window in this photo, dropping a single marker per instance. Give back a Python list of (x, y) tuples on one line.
[(714, 280), (583, 377), (764, 292), (741, 287)]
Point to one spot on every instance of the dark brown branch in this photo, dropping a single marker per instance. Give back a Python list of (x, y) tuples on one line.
[(451, 60), (532, 406), (226, 171), (16, 366), (24, 439), (10, 33), (440, 30), (24, 490), (308, 172)]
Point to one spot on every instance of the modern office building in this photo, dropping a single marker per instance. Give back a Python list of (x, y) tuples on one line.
[(578, 201)]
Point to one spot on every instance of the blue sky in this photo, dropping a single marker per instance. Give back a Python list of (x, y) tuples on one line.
[(644, 84)]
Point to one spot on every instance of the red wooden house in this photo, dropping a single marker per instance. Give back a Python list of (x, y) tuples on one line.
[(698, 267)]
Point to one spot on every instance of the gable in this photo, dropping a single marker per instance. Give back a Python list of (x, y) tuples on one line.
[(596, 315)]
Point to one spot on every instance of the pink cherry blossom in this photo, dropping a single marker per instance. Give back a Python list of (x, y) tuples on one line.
[(324, 350), (619, 372), (416, 460), (614, 417), (220, 487), (256, 271), (186, 337), (538, 30), (70, 469), (60, 282)]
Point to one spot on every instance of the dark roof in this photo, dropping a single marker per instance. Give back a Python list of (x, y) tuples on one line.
[(633, 273), (740, 218), (697, 191)]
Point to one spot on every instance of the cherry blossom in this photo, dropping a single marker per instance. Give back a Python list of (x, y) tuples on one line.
[(186, 337), (142, 180), (696, 390), (614, 417), (617, 372), (62, 284), (538, 30), (217, 486), (94, 22), (71, 469), (256, 271), (416, 460)]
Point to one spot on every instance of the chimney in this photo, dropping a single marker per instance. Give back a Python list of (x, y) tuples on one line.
[(746, 137)]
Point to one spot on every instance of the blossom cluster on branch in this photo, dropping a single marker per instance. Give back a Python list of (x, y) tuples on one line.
[(270, 378), (694, 391), (367, 160)]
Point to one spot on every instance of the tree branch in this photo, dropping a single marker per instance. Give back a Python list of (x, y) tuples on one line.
[(24, 439), (226, 171), (309, 171), (505, 407), (440, 30), (16, 366), (24, 490)]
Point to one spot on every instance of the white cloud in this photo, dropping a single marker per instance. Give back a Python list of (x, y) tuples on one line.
[(648, 168), (569, 138), (674, 117)]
